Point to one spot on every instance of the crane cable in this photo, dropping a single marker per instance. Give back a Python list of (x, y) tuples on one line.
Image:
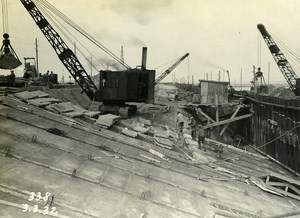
[(59, 26), (286, 47), (4, 16), (84, 33), (259, 50), (294, 57)]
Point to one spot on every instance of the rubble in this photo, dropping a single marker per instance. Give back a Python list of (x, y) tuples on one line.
[(42, 102), (107, 120), (129, 132)]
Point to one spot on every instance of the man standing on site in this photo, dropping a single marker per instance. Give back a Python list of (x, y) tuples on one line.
[(192, 124), (180, 121), (201, 137)]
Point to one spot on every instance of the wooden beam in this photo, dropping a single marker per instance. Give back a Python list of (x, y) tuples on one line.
[(285, 215), (205, 115), (217, 107), (232, 116), (227, 121)]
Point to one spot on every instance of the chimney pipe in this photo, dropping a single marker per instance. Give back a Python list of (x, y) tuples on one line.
[(144, 58)]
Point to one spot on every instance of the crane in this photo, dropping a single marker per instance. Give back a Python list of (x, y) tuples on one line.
[(281, 61), (115, 87), (169, 70), (66, 55)]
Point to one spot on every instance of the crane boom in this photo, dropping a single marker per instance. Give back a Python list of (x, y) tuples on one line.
[(169, 70), (66, 55), (281, 61)]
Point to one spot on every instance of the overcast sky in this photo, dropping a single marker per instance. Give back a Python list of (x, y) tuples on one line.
[(218, 34)]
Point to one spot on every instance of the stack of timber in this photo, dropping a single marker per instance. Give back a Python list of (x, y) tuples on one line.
[(161, 139)]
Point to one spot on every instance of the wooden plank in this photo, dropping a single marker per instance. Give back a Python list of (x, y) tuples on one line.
[(284, 178), (227, 121), (232, 116), (199, 110), (282, 192), (150, 158)]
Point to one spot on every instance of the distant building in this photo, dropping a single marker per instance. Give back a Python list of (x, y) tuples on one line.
[(208, 91)]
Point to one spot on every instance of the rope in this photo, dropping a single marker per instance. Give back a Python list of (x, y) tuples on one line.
[(293, 55), (286, 47), (4, 16), (259, 50)]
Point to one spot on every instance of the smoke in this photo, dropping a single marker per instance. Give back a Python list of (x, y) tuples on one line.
[(208, 63), (141, 11), (110, 64), (136, 41)]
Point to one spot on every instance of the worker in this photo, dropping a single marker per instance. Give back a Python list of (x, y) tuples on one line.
[(176, 95), (180, 121), (192, 124), (201, 138), (46, 78), (26, 75), (51, 78), (12, 78)]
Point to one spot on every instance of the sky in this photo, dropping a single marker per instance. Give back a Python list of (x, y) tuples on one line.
[(219, 35)]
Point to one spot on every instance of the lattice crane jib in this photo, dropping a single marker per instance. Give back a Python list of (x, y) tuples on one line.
[(281, 61), (65, 54), (170, 69)]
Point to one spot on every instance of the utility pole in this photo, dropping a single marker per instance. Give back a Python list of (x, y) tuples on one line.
[(37, 56), (241, 78), (269, 73), (122, 56), (188, 62), (223, 75), (219, 77), (254, 85)]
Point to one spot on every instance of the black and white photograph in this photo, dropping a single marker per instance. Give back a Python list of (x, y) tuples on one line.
[(150, 109)]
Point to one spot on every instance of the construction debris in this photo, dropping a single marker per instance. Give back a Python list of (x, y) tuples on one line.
[(282, 185), (161, 134), (171, 133), (56, 131), (158, 154), (144, 121), (107, 120), (141, 129), (150, 158), (26, 95), (61, 107), (42, 102), (163, 142), (129, 132)]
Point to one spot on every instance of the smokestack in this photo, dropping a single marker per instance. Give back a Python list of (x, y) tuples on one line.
[(144, 58)]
